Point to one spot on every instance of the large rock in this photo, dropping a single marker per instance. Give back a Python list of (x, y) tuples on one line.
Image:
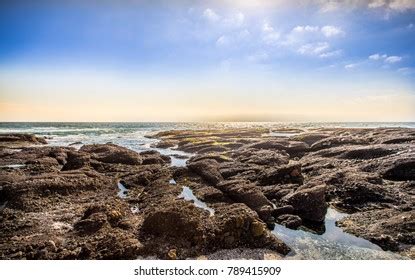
[(76, 160), (208, 169), (402, 169), (110, 153), (290, 173), (309, 204), (390, 229)]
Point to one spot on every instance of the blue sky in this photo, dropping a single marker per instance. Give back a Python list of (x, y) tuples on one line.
[(207, 60)]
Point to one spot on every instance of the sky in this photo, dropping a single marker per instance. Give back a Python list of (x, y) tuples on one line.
[(239, 60)]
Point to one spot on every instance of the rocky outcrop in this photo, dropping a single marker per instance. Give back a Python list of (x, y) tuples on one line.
[(110, 153), (309, 203), (208, 169), (63, 203)]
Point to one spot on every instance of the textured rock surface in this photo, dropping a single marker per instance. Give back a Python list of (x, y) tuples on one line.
[(63, 203)]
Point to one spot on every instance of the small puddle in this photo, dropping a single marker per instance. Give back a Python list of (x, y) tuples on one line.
[(334, 243), (122, 193), (178, 162), (172, 182), (3, 205), (187, 194), (135, 209), (13, 166)]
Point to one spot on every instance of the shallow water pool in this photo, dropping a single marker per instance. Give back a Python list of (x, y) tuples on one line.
[(187, 194), (334, 243)]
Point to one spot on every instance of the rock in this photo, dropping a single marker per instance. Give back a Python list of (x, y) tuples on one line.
[(76, 160), (402, 169), (336, 141), (166, 144), (172, 254), (390, 229), (309, 138), (16, 139), (91, 224), (247, 193), (179, 220), (208, 169), (370, 152), (290, 173), (261, 157), (257, 229), (110, 153), (309, 204), (290, 221), (287, 209)]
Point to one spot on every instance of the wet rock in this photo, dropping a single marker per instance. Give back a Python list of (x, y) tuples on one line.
[(110, 153), (352, 192), (309, 138), (390, 229), (208, 169), (261, 157), (154, 157), (310, 203), (276, 192), (367, 152), (245, 192), (166, 144), (287, 209), (76, 160), (21, 140), (337, 141), (239, 223), (290, 221), (290, 173), (403, 169), (91, 224), (179, 220)]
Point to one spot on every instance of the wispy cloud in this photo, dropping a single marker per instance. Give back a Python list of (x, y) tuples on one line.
[(269, 35), (331, 31), (385, 58), (314, 48), (393, 59)]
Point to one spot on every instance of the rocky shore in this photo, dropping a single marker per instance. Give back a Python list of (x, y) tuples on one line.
[(105, 201)]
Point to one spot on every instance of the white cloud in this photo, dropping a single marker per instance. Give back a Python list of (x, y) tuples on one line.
[(377, 3), (235, 20), (393, 59), (385, 58), (331, 31), (377, 56), (314, 48), (329, 6), (331, 54), (267, 28), (350, 66), (269, 35), (222, 41), (304, 33), (260, 56), (406, 70), (402, 5), (411, 26), (306, 28), (243, 34), (210, 15)]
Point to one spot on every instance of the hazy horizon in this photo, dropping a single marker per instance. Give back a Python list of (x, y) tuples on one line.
[(198, 61)]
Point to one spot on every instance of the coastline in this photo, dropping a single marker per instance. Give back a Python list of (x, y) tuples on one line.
[(62, 203)]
